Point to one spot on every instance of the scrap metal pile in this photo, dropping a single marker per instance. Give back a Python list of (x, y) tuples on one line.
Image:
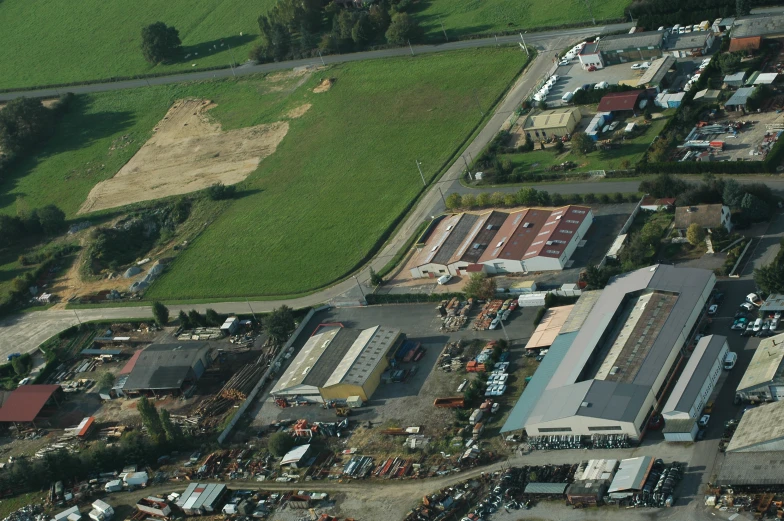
[(27, 513), (454, 313), (358, 467), (487, 314), (393, 468), (303, 429), (658, 488)]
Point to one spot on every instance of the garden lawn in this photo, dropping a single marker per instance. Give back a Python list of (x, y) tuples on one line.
[(61, 41), (631, 151), (464, 17), (344, 174)]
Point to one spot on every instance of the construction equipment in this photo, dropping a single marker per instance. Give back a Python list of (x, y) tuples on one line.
[(342, 411)]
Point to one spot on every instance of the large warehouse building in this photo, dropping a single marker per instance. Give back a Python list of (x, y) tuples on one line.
[(763, 380), (167, 368), (338, 362), (519, 241), (613, 359)]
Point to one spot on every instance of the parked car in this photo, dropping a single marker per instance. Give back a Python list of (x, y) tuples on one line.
[(757, 325), (713, 309), (495, 407), (739, 323), (637, 66), (753, 298), (747, 306), (700, 434), (730, 359), (567, 97), (443, 279), (495, 322), (601, 85), (704, 420), (748, 330)]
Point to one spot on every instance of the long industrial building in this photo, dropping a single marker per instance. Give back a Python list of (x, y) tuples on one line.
[(763, 380), (529, 239), (338, 362), (612, 361)]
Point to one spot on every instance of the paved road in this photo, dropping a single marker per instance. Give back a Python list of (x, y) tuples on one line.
[(24, 333), (533, 39)]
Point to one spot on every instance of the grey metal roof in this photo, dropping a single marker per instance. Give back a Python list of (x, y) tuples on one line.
[(693, 40), (558, 389), (580, 311), (697, 369), (631, 474), (620, 42), (545, 488), (320, 372), (774, 302), (765, 365), (767, 24), (759, 429), (751, 468), (657, 71), (370, 348), (740, 97), (534, 389), (165, 366), (452, 242)]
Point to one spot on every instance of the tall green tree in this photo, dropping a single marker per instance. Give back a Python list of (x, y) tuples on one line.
[(480, 286), (184, 320), (151, 420), (733, 193), (403, 29), (160, 313), (279, 444), (280, 323), (695, 234), (582, 143), (171, 429), (51, 219), (160, 43), (755, 208), (24, 123), (742, 7)]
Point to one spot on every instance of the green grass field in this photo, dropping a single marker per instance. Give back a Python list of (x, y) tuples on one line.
[(464, 17), (318, 205), (58, 41)]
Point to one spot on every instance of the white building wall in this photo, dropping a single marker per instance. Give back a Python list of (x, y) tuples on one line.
[(579, 425), (505, 266), (701, 399), (539, 263), (429, 270), (726, 218), (591, 59)]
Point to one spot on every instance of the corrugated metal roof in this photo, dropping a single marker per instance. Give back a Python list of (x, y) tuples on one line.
[(186, 495), (765, 364), (697, 369), (758, 427), (631, 474), (767, 24), (25, 402), (534, 389), (751, 468), (740, 97), (546, 488), (549, 327), (622, 42)]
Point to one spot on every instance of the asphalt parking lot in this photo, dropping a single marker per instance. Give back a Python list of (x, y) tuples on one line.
[(573, 76)]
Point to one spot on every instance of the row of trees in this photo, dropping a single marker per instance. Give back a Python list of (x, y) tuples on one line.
[(37, 223), (531, 197), (299, 28), (770, 278)]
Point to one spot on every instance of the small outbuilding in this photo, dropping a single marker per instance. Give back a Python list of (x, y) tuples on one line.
[(620, 101), (708, 216), (25, 403), (554, 122), (297, 456)]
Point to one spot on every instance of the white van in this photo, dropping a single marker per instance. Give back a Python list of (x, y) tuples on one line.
[(566, 98), (730, 359), (757, 325)]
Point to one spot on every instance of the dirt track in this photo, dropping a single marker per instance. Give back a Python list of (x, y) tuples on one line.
[(187, 153)]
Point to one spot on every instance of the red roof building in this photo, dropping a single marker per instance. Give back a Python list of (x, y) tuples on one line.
[(750, 43), (25, 403), (620, 101)]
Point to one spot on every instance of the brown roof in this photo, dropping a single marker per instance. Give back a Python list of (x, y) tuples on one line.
[(706, 215), (750, 43), (25, 402), (650, 200), (616, 101), (480, 237)]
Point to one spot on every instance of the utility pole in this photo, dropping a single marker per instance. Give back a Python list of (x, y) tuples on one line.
[(442, 28), (478, 106), (503, 327), (231, 51), (442, 196), (524, 45), (468, 170), (322, 58), (496, 41), (251, 309), (590, 10), (360, 288), (77, 317), (409, 46), (419, 167)]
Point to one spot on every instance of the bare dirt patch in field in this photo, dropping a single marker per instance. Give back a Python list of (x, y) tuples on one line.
[(299, 111), (186, 153), (324, 86)]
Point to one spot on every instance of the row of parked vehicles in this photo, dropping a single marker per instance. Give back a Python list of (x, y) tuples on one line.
[(507, 307)]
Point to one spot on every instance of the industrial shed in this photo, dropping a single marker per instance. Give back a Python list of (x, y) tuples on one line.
[(24, 404), (695, 385), (763, 380), (630, 477), (606, 375), (738, 100), (751, 469), (554, 122), (167, 368), (768, 25), (516, 241), (760, 430), (202, 498), (622, 48), (620, 101), (337, 362)]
